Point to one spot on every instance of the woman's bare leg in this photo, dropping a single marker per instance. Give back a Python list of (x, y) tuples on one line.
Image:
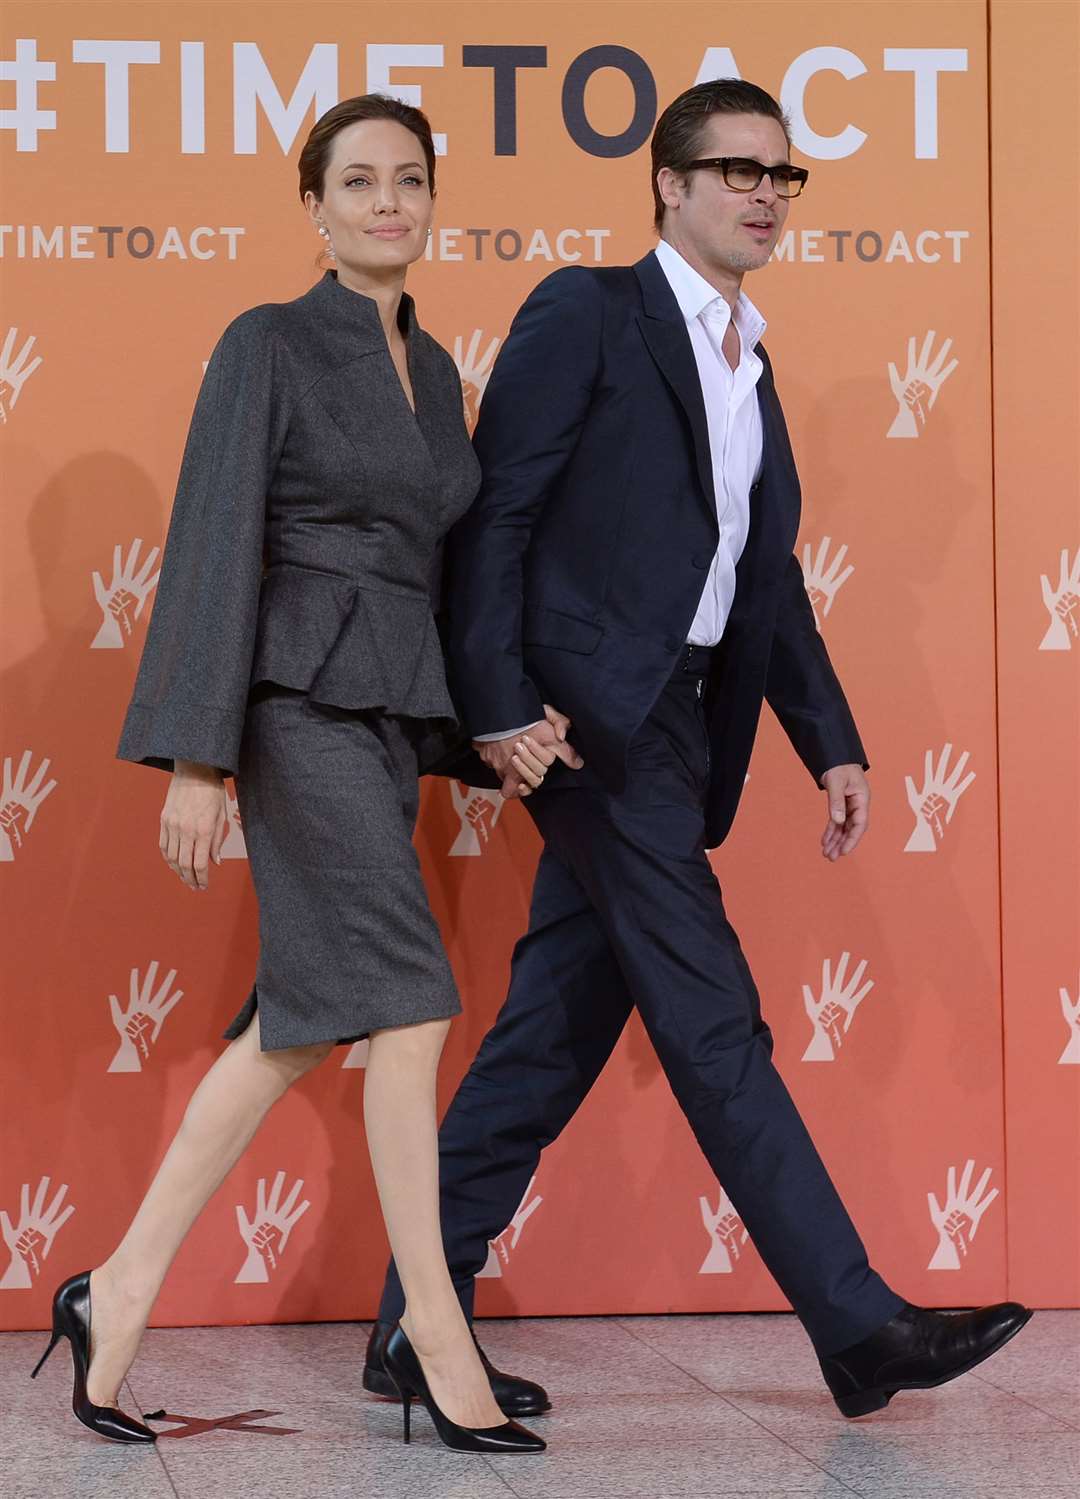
[(402, 1132), (224, 1112)]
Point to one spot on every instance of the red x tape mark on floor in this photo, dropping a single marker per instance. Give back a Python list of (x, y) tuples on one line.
[(197, 1426)]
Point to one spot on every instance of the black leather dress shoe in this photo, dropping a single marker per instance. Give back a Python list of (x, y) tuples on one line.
[(514, 1396), (917, 1350)]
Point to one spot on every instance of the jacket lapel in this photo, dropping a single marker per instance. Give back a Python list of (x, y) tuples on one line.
[(664, 331), (779, 487)]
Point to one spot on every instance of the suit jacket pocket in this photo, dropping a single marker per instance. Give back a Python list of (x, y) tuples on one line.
[(563, 632)]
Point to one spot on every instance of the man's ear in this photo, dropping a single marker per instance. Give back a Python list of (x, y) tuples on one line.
[(669, 185)]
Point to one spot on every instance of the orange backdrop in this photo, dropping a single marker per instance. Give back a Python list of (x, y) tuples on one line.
[(926, 355)]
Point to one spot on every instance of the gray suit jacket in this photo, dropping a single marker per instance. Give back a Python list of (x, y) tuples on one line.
[(304, 536)]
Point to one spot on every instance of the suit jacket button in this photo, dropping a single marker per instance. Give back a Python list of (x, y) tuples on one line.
[(702, 559)]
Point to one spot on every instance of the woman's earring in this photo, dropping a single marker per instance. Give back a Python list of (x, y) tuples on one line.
[(324, 231)]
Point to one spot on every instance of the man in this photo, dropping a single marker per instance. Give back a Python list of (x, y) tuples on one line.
[(628, 569)]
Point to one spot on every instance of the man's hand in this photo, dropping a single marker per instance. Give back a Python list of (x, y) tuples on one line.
[(849, 810), (523, 760)]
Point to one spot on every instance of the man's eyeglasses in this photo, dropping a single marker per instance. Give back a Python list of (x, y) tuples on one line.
[(743, 174)]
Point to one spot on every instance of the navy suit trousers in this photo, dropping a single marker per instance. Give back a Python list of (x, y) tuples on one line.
[(627, 912)]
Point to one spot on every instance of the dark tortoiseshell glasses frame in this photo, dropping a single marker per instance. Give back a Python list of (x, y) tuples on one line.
[(787, 181)]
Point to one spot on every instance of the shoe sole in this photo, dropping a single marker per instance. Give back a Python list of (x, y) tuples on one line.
[(377, 1383), (866, 1402)]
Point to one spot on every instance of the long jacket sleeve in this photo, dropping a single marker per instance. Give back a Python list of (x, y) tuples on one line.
[(192, 685), (802, 688), (535, 406)]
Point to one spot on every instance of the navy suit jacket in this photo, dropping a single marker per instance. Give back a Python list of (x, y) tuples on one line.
[(575, 577)]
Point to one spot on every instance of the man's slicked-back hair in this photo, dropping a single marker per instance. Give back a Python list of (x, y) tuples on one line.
[(676, 141)]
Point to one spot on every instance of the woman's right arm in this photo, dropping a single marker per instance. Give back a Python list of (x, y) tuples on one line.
[(194, 822), (190, 697), (188, 708)]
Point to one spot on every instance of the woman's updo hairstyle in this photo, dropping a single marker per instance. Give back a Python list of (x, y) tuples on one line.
[(315, 156)]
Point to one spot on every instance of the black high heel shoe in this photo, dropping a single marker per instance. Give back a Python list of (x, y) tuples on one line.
[(71, 1320), (403, 1367)]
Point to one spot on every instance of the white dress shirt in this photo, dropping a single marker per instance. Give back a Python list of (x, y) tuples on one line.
[(735, 435), (734, 422)]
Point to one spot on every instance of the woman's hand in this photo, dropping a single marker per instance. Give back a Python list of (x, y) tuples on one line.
[(193, 822)]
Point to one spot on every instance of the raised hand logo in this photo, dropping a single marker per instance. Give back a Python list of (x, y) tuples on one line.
[(356, 1056), (30, 1240), (123, 600), (20, 797), (831, 1014), (234, 846), (917, 391), (935, 804), (267, 1233), (140, 1024), (14, 371), (726, 1232), (1062, 605), (474, 367), (823, 579), (957, 1222), (478, 811), (500, 1249), (1071, 1015)]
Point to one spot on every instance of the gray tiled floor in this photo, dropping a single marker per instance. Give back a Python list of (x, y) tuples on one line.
[(645, 1408)]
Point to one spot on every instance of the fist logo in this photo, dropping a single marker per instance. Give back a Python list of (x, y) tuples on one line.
[(935, 804), (832, 1014), (14, 371), (29, 1241), (478, 811), (917, 390), (823, 579), (234, 846), (20, 797), (474, 367), (1071, 1015), (267, 1233), (123, 600), (1062, 605), (139, 1025), (957, 1221), (727, 1234), (500, 1249)]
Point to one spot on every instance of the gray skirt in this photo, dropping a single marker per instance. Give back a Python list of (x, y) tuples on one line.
[(347, 942)]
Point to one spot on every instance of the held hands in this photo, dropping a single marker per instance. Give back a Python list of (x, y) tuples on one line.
[(194, 822), (848, 792), (523, 760)]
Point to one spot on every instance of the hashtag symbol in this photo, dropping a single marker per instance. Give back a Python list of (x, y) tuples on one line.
[(25, 72)]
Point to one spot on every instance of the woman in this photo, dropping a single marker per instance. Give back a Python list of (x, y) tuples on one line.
[(292, 644)]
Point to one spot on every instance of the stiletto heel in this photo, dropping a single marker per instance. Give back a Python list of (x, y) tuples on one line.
[(41, 1361), (403, 1367), (71, 1320), (406, 1407)]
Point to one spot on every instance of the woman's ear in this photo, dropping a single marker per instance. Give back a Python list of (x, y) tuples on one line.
[(313, 207)]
